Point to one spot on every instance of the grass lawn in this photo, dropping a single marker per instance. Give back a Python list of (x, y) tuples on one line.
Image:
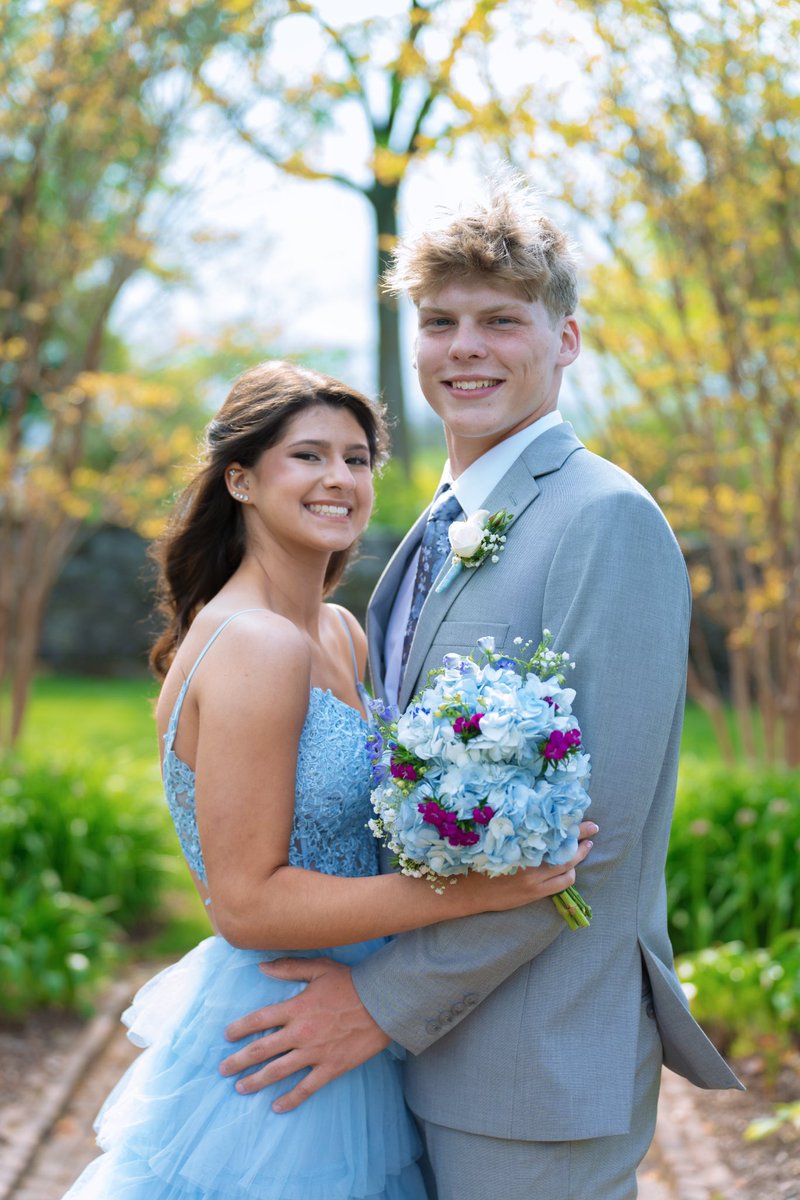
[(699, 740), (112, 718)]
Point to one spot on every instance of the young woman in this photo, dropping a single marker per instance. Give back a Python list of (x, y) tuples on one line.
[(263, 723)]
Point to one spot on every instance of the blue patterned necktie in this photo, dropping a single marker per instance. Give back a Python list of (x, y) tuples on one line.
[(434, 550)]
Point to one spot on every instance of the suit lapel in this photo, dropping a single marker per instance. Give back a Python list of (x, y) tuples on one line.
[(383, 598), (516, 491)]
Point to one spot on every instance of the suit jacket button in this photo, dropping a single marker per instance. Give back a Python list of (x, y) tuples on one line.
[(457, 1008), (445, 1017), (471, 998), (432, 1026)]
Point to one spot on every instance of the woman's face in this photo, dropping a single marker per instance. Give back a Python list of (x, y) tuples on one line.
[(313, 487)]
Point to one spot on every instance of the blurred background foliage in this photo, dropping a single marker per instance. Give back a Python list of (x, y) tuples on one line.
[(84, 857), (675, 163)]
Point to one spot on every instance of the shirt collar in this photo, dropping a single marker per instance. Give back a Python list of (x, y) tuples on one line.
[(481, 477)]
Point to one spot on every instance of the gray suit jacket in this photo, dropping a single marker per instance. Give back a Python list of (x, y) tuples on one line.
[(519, 1027)]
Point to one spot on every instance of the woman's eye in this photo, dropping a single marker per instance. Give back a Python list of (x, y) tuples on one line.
[(358, 461), (307, 455)]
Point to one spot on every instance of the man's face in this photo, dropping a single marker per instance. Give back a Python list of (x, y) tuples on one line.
[(489, 362)]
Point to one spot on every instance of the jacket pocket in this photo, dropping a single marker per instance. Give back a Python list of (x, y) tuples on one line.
[(462, 636)]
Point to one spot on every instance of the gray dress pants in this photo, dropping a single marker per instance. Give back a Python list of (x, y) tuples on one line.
[(467, 1166)]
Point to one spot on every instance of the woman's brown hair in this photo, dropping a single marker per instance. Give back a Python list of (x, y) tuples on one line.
[(204, 542)]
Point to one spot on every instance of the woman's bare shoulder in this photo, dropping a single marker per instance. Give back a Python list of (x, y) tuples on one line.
[(359, 637), (260, 639), (245, 644)]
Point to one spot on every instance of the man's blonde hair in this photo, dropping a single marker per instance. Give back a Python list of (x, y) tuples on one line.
[(508, 240)]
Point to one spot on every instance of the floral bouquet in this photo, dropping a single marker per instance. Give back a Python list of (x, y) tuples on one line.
[(484, 771)]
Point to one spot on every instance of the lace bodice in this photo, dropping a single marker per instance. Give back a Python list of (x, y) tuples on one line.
[(332, 806)]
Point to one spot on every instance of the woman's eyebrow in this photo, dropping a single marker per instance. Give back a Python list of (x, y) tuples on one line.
[(326, 445)]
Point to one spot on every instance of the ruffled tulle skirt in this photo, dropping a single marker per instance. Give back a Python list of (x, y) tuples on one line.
[(175, 1129)]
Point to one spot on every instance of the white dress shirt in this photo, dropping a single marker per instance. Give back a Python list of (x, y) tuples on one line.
[(471, 488)]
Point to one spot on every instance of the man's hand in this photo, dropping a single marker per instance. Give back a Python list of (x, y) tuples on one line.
[(325, 1028)]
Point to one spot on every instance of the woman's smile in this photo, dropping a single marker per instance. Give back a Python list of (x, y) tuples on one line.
[(327, 509)]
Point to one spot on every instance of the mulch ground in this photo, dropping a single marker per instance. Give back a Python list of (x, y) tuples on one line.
[(768, 1169)]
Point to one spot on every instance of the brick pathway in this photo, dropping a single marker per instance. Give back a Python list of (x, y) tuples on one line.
[(70, 1145)]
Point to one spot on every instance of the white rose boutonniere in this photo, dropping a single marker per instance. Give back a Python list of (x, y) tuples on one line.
[(481, 536)]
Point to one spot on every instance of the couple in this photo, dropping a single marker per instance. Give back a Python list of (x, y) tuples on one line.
[(529, 1055)]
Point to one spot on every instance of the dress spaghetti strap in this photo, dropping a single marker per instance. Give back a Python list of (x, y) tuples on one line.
[(362, 691), (169, 736)]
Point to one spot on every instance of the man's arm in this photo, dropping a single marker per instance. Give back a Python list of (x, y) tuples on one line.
[(617, 599)]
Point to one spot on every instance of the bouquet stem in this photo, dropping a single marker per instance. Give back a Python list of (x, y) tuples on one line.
[(573, 908)]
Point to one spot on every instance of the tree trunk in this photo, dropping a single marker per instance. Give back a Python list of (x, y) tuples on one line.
[(38, 552), (791, 715), (383, 198), (703, 688)]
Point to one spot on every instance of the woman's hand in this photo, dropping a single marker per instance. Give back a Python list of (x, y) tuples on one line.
[(483, 894)]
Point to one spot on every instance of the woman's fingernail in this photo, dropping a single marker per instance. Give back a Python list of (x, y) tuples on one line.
[(593, 828), (589, 845)]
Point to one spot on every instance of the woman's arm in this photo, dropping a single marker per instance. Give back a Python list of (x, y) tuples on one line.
[(252, 701)]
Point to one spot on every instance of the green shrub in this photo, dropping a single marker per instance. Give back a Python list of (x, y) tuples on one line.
[(81, 859), (747, 1000), (732, 865), (54, 947)]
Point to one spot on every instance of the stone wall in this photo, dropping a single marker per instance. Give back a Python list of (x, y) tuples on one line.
[(100, 619)]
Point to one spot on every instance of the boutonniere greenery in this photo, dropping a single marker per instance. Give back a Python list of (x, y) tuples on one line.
[(482, 535)]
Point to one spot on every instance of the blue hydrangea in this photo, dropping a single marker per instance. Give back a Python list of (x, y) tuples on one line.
[(478, 742)]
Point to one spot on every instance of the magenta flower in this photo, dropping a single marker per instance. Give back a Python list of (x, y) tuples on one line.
[(483, 815), (447, 824), (403, 771), (559, 744), (431, 812), (468, 727), (462, 837)]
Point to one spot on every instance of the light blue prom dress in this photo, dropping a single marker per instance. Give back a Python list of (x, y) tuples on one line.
[(174, 1128)]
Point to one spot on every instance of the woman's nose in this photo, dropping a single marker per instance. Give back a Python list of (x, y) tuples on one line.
[(339, 474)]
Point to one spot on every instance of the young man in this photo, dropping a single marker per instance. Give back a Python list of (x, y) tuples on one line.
[(535, 1052)]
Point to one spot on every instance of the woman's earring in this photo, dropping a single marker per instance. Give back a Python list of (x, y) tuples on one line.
[(242, 496)]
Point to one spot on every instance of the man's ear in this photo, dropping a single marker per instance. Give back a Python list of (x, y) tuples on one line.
[(570, 342)]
